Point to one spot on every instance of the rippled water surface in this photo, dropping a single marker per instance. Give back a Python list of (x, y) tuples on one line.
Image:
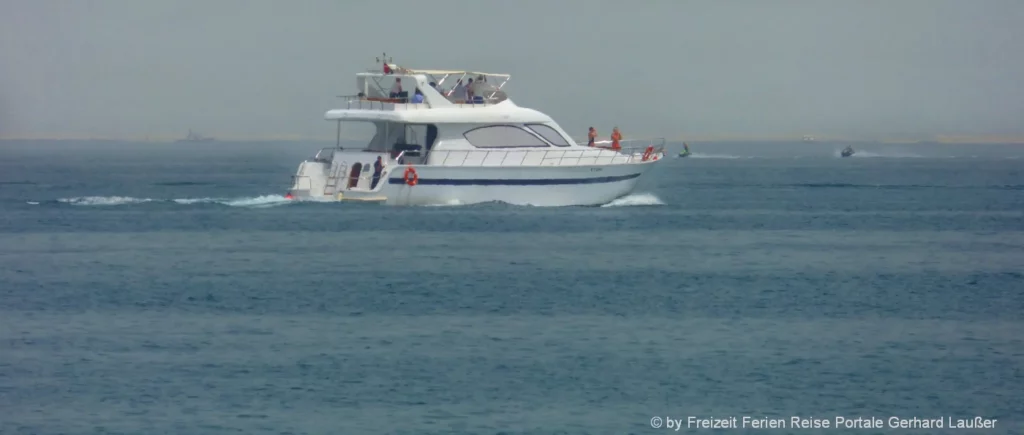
[(169, 288)]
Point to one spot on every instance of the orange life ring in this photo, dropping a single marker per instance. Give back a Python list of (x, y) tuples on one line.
[(648, 152), (415, 177)]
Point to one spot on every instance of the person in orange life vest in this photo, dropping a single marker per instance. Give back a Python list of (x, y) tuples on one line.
[(616, 137), (591, 137)]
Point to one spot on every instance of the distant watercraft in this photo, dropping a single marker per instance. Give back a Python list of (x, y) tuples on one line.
[(686, 151), (196, 137), (848, 151)]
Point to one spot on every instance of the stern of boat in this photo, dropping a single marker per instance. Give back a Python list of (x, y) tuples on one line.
[(309, 180), (336, 174)]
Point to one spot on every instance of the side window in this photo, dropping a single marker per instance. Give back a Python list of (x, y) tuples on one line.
[(502, 136), (549, 133)]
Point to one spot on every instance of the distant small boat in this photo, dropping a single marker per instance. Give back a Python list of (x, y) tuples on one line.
[(196, 137), (847, 152), (686, 151)]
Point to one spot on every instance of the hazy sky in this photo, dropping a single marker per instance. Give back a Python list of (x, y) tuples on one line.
[(673, 68)]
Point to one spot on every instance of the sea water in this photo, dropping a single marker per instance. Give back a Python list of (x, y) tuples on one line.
[(170, 288)]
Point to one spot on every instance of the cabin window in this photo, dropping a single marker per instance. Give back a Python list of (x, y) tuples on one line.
[(548, 133), (503, 136)]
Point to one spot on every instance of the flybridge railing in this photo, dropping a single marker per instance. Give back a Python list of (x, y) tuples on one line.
[(648, 150), (380, 103)]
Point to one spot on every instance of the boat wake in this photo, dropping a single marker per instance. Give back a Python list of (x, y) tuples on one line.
[(103, 200), (884, 155), (636, 199), (451, 203), (265, 201), (251, 202), (717, 156)]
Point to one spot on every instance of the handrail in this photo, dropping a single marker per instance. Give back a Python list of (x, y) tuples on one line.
[(359, 102), (607, 143), (575, 156)]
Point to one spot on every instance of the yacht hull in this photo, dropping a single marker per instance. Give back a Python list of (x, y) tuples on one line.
[(544, 186), (536, 186)]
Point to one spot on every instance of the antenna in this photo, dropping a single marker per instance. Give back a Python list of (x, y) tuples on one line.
[(384, 57)]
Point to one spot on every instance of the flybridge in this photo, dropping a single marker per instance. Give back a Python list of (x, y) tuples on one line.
[(394, 84)]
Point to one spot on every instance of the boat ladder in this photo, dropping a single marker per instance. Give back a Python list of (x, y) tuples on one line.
[(331, 187)]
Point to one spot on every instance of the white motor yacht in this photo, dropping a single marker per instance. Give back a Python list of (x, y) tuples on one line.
[(467, 144)]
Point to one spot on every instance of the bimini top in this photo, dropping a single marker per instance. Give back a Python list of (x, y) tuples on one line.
[(503, 112)]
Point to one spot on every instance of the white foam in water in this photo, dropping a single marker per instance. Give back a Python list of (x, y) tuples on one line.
[(717, 156), (636, 199), (886, 155), (452, 202), (254, 202), (259, 201), (187, 201), (104, 200)]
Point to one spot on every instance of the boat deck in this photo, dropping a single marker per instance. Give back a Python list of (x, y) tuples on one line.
[(633, 151)]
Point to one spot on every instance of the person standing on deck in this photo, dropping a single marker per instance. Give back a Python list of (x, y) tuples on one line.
[(378, 168), (458, 93), (616, 137), (591, 137)]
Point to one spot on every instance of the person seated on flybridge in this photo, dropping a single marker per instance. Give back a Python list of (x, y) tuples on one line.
[(479, 88), (396, 90), (417, 97)]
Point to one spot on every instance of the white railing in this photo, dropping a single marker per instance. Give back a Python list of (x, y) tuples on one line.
[(649, 151), (632, 151), (375, 103)]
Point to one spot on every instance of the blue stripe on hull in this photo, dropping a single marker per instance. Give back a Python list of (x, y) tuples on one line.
[(524, 182)]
